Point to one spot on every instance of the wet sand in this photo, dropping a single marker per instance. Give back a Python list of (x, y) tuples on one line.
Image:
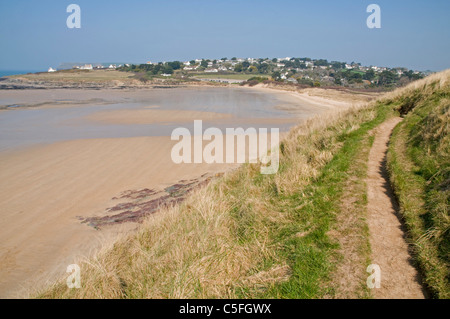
[(149, 116), (46, 188)]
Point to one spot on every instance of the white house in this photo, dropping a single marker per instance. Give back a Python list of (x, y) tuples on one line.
[(211, 70), (87, 67), (50, 70)]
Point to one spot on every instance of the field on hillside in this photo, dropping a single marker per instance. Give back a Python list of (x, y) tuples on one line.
[(77, 75)]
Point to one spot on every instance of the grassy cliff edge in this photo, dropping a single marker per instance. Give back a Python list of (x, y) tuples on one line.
[(419, 166)]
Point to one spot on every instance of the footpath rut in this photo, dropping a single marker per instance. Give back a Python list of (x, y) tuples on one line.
[(399, 278)]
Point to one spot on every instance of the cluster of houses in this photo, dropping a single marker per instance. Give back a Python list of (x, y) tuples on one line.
[(223, 65), (226, 65), (309, 70), (91, 67)]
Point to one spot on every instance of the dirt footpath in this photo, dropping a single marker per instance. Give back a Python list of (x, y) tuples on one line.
[(399, 279)]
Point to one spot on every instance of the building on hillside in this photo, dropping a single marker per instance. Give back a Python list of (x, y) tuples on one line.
[(50, 70)]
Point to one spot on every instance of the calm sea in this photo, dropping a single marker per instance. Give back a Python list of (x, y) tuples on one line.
[(13, 72), (30, 126)]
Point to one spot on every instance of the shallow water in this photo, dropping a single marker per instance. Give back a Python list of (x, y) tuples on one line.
[(28, 125)]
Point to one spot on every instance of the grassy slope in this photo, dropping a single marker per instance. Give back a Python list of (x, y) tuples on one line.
[(77, 76), (251, 235), (419, 164)]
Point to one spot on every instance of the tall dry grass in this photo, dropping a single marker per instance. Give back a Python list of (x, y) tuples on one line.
[(426, 85)]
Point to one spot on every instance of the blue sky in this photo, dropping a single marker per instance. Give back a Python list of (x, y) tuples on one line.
[(34, 35)]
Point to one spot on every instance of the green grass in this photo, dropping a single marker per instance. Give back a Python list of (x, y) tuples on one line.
[(419, 164)]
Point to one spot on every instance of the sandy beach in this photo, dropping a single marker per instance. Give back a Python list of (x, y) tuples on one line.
[(46, 188)]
